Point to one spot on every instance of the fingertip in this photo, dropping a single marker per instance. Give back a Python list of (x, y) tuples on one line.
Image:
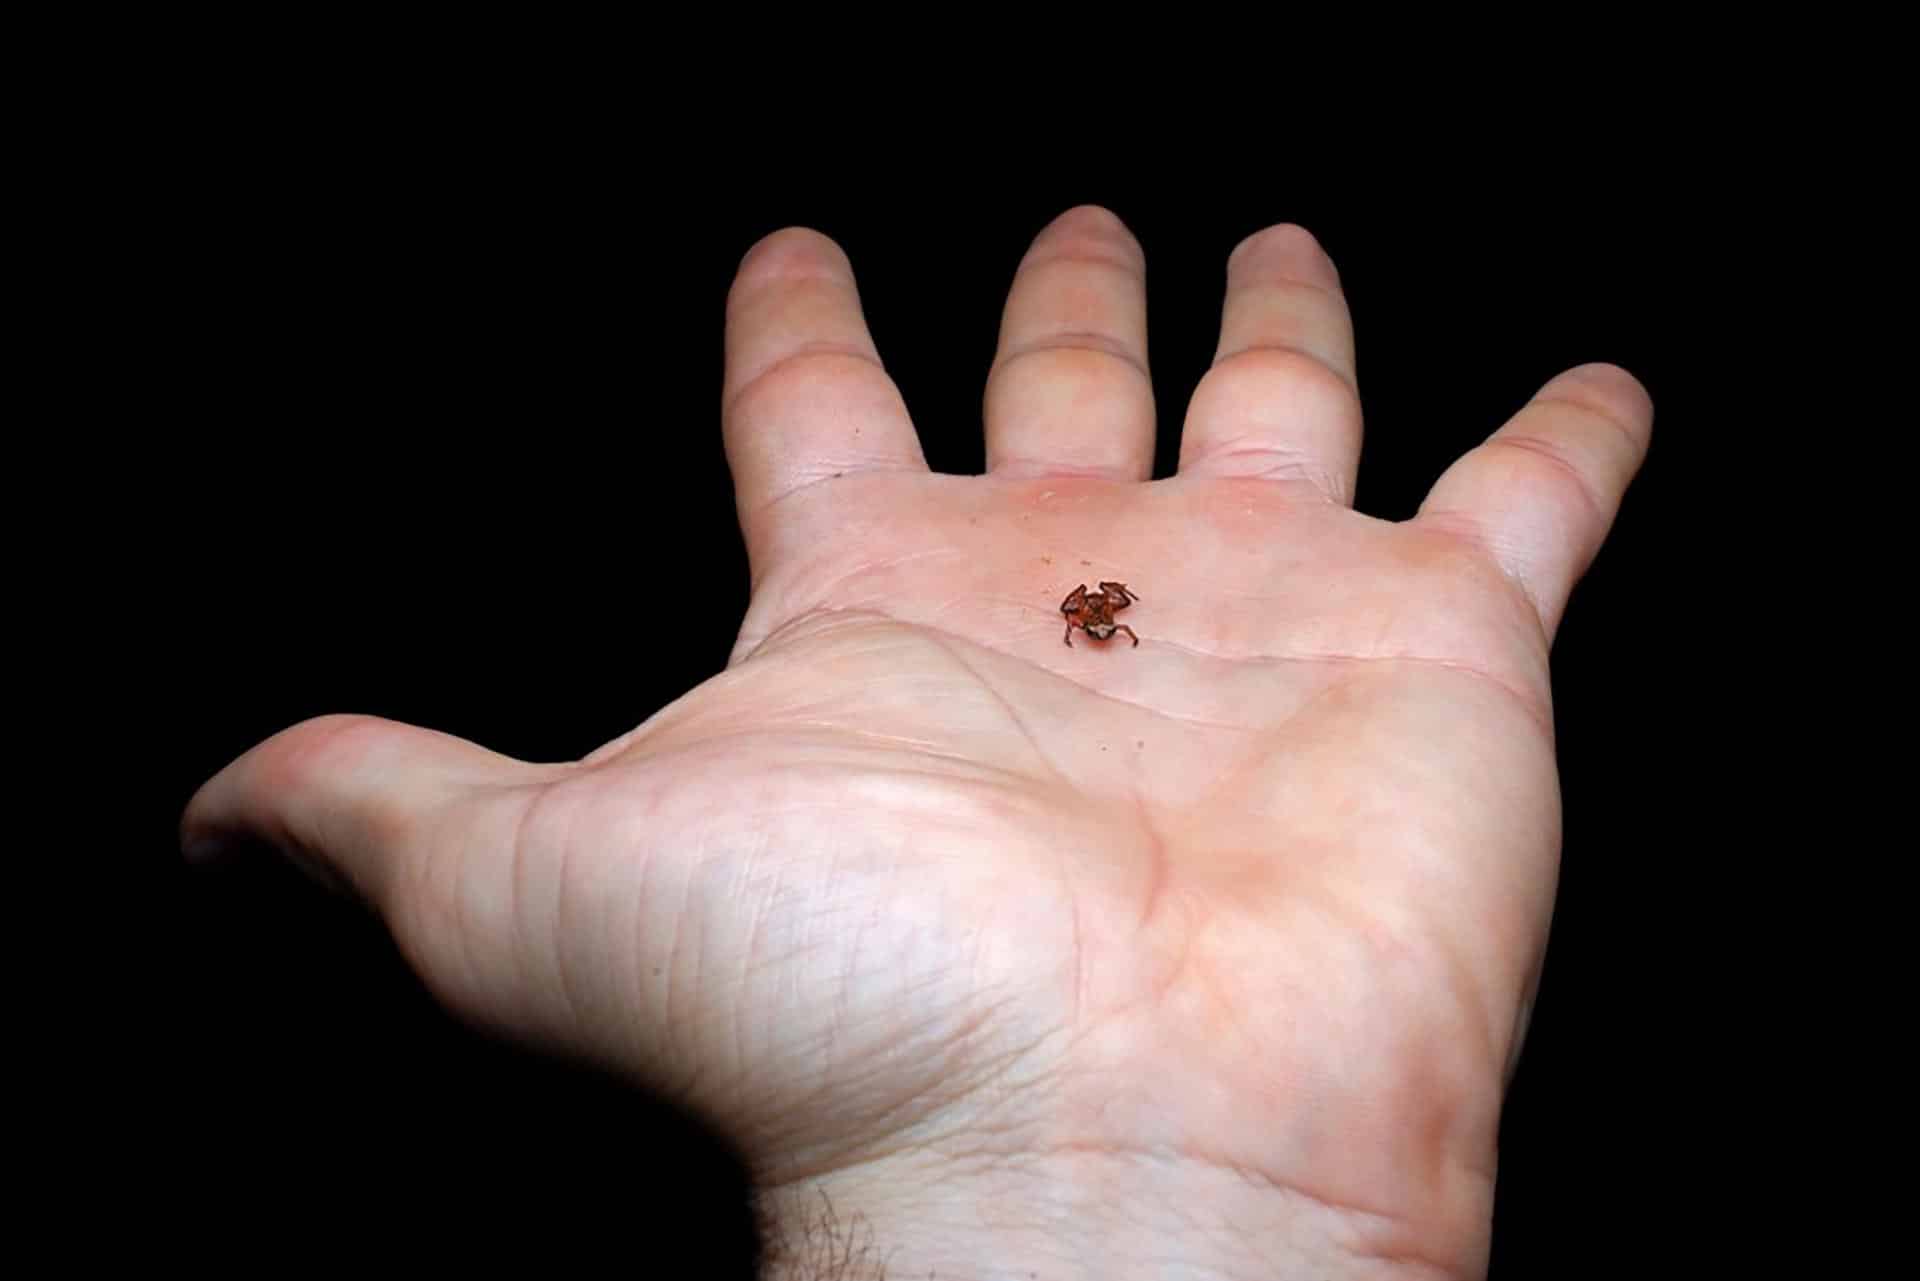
[(1092, 225), (1609, 390), (204, 834), (252, 797), (1092, 217), (1288, 249), (792, 250), (1605, 374)]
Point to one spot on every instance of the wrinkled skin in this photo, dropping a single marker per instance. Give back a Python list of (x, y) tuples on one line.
[(1224, 940)]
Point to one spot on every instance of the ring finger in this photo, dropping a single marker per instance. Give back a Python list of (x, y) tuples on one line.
[(1281, 400)]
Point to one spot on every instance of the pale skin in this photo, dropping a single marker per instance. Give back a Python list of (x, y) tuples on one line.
[(1204, 959)]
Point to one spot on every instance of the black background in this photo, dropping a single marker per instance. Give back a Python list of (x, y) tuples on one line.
[(435, 385)]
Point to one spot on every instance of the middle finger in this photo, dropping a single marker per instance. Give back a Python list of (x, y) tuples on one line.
[(1069, 390)]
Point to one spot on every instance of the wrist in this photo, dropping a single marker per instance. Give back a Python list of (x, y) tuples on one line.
[(1087, 1213)]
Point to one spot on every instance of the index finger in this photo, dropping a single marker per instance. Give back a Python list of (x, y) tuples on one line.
[(1540, 494)]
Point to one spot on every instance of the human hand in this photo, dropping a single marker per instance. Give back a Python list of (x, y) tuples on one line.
[(1205, 958)]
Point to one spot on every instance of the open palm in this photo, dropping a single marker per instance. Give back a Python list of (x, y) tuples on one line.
[(916, 896)]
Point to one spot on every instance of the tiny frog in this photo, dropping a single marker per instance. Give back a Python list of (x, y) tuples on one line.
[(1092, 612)]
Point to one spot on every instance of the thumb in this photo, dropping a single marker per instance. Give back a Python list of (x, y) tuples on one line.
[(345, 796)]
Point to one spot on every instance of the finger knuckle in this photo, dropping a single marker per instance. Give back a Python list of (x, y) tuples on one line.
[(1306, 376), (1547, 466)]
